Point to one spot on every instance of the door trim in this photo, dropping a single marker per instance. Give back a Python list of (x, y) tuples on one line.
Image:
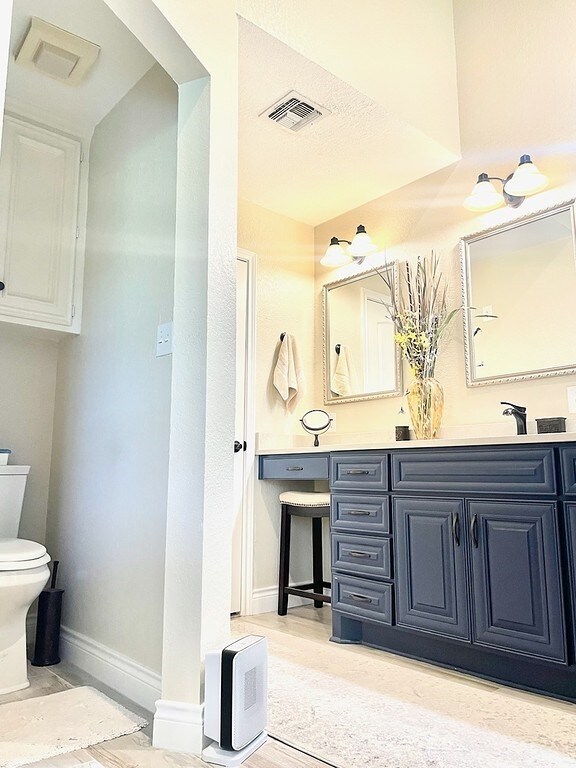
[(247, 557)]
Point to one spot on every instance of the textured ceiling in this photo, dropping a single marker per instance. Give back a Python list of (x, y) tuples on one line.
[(362, 150), (121, 63), (357, 153)]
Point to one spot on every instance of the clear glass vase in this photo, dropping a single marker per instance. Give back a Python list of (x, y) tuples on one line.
[(425, 403)]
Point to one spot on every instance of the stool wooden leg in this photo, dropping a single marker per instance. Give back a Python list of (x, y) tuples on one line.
[(284, 571), (317, 568)]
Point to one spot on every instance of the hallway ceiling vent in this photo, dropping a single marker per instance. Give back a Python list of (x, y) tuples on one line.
[(293, 112), (57, 53)]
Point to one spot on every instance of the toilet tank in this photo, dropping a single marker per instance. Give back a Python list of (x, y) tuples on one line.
[(12, 487)]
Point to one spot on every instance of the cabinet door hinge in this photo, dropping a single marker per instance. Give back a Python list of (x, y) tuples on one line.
[(77, 232), (73, 310), (81, 156)]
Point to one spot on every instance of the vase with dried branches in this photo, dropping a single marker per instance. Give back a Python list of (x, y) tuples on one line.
[(421, 317)]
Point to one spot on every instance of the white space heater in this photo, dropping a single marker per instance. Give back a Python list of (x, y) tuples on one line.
[(235, 700)]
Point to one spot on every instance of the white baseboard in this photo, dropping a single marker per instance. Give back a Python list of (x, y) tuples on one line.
[(179, 726), (134, 681), (266, 600)]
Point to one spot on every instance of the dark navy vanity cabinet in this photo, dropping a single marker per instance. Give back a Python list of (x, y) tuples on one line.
[(483, 568), (464, 557)]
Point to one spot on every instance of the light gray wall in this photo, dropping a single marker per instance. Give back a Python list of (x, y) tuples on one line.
[(107, 508), (27, 383)]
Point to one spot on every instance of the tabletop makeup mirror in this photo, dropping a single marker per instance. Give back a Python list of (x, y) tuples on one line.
[(519, 284), (361, 359), (316, 422)]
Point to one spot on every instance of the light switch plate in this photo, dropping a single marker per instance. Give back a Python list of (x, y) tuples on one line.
[(164, 339), (571, 392)]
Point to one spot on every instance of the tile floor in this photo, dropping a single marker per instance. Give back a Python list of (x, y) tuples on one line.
[(302, 635)]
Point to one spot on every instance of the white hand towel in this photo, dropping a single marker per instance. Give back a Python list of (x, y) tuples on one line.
[(288, 374), (341, 383)]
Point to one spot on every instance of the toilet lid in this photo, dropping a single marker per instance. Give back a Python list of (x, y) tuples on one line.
[(19, 554)]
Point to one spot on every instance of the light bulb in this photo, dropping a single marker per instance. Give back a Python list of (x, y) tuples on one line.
[(526, 179), (335, 255), (484, 196), (361, 244)]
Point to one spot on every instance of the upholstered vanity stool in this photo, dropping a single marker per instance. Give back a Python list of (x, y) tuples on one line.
[(315, 506)]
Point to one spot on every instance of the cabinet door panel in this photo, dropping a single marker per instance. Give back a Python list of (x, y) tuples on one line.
[(516, 577), (571, 533), (39, 177), (568, 464), (430, 566)]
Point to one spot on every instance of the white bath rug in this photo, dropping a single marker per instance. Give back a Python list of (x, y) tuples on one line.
[(90, 764), (34, 729), (355, 726)]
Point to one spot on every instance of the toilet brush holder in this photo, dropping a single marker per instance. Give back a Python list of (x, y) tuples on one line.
[(46, 648)]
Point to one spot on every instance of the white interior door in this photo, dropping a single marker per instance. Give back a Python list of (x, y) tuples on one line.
[(379, 369), (242, 287)]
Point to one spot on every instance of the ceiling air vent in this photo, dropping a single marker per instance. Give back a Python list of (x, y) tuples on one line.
[(57, 53), (294, 111)]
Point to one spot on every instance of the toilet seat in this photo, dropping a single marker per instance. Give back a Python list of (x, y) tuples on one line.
[(22, 555)]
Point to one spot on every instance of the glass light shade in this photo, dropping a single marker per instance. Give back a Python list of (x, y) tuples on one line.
[(484, 196), (361, 244), (335, 256), (526, 179)]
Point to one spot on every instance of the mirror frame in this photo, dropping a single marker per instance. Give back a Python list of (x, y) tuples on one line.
[(326, 339), (465, 242)]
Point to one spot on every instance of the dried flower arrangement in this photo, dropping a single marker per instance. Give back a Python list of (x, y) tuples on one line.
[(419, 313)]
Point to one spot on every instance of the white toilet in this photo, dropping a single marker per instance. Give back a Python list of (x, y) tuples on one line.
[(23, 574)]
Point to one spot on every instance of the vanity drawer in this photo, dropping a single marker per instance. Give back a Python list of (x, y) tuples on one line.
[(568, 464), (359, 513), (367, 555), (293, 467), (362, 597), (521, 472), (357, 471)]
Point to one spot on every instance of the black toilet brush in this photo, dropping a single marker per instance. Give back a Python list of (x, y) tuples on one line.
[(48, 623)]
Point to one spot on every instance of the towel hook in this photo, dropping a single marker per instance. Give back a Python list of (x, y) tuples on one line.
[(282, 335), (337, 348)]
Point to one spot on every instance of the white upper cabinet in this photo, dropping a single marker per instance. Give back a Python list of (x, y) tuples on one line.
[(39, 228)]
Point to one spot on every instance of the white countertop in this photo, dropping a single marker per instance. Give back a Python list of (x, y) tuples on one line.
[(288, 444)]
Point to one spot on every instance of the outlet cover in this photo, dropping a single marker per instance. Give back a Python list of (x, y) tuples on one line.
[(571, 392), (164, 339)]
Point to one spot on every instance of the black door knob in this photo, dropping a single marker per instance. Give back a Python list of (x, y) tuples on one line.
[(2, 286), (237, 446)]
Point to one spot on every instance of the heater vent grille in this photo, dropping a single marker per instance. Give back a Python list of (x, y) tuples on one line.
[(250, 688), (294, 112)]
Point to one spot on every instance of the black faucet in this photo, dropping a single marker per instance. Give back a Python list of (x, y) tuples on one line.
[(519, 413)]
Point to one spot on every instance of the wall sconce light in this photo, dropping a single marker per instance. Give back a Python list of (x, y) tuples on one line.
[(360, 247), (526, 180)]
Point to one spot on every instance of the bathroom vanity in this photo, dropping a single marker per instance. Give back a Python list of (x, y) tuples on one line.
[(461, 553)]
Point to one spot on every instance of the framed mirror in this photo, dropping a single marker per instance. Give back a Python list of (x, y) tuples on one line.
[(361, 358), (518, 285)]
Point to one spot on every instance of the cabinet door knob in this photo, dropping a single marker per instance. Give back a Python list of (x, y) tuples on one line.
[(2, 285)]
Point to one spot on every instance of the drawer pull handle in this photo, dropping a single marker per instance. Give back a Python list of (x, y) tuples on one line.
[(355, 553), (358, 512), (359, 598), (356, 472), (294, 469)]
